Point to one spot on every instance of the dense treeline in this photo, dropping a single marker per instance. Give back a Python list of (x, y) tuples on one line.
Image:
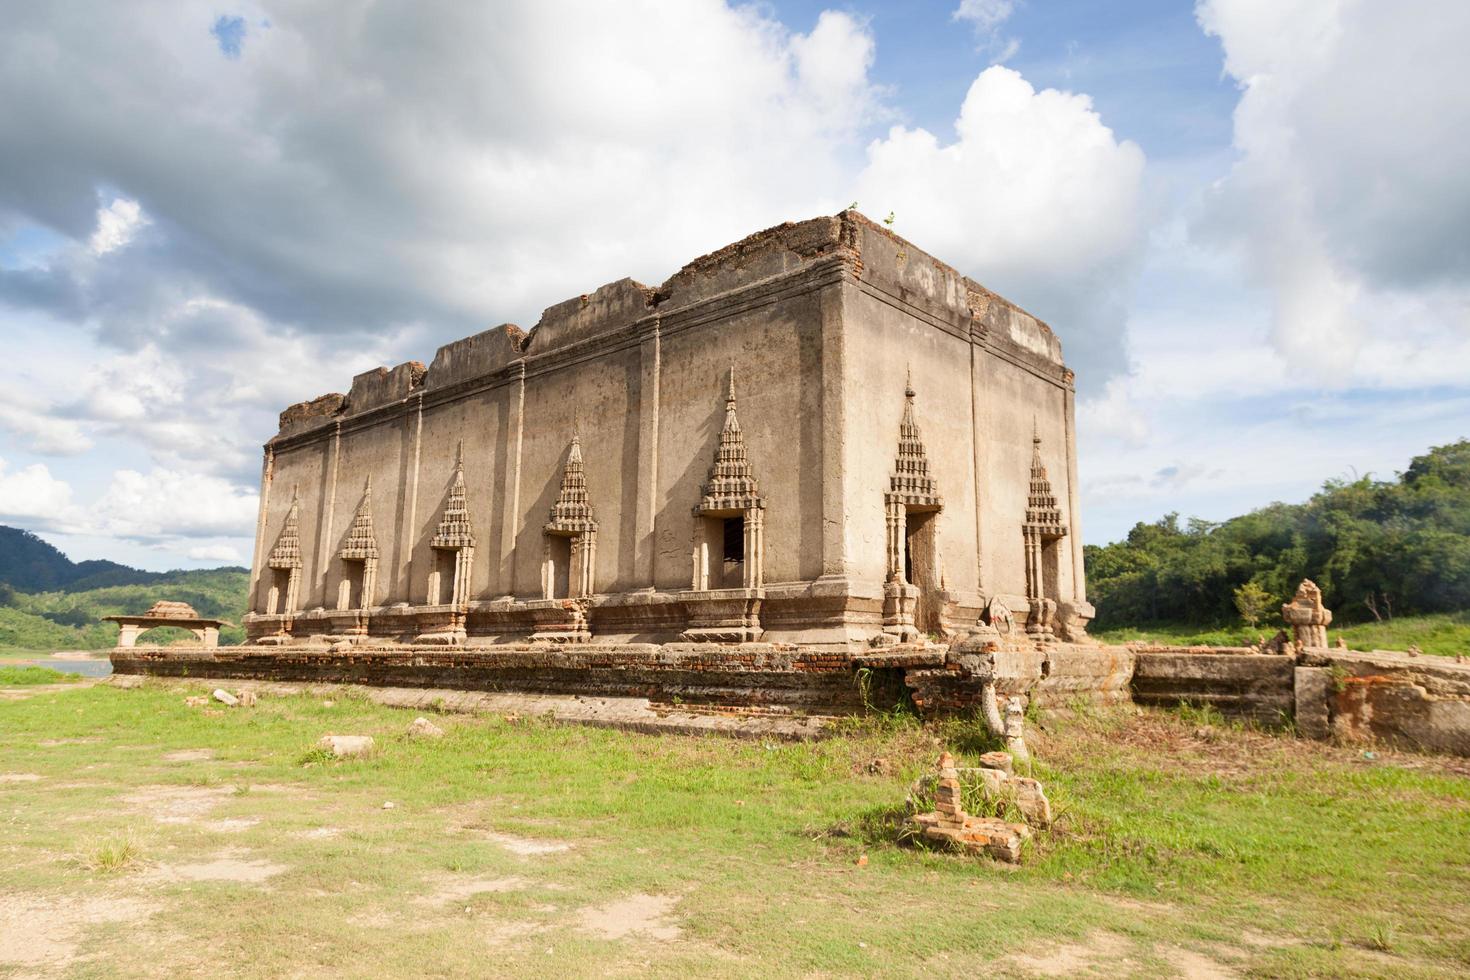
[(1377, 548)]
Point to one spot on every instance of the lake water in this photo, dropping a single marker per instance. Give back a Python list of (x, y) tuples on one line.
[(100, 667)]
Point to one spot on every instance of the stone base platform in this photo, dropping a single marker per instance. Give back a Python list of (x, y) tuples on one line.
[(738, 680)]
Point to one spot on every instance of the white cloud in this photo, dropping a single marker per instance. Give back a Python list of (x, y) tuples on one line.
[(116, 225), (165, 504), (33, 497), (1035, 197), (986, 15), (42, 432), (1349, 190), (216, 552)]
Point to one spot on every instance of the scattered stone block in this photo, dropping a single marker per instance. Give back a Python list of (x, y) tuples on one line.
[(196, 702), (949, 824), (347, 746), (247, 699), (1031, 801), (993, 781), (225, 697), (424, 728), (999, 760)]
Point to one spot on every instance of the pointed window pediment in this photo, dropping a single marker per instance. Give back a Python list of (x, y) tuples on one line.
[(731, 485), (362, 543), (911, 484), (455, 530), (572, 512), (287, 552), (1043, 514)]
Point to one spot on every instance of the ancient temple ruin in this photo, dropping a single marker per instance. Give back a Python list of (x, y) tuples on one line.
[(818, 435), (811, 471)]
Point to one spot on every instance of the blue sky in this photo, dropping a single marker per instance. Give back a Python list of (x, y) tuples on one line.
[(1247, 222)]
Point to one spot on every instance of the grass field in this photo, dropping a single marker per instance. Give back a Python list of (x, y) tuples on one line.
[(146, 838), (20, 675), (1445, 634)]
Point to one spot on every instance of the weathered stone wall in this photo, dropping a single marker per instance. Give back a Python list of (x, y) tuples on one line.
[(821, 322), (1411, 701), (1239, 683)]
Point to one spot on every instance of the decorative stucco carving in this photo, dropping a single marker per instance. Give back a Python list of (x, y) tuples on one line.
[(911, 489), (571, 517), (285, 558), (722, 610), (731, 491), (1307, 617), (998, 616), (1043, 525), (455, 534), (287, 551), (361, 546)]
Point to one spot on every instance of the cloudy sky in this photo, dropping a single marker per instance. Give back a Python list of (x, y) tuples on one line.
[(1249, 220)]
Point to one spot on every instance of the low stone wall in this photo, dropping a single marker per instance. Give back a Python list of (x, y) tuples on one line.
[(1236, 681), (1418, 702), (748, 678), (1415, 702)]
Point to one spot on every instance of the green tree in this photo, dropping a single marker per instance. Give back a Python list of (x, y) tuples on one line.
[(1252, 602), (1404, 541)]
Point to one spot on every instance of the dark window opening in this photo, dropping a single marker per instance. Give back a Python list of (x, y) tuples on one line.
[(735, 539)]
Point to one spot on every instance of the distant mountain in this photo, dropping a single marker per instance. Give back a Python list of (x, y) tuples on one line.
[(28, 564)]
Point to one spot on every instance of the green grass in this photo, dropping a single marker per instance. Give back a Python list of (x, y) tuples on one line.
[(1445, 634), (1261, 854), (25, 674)]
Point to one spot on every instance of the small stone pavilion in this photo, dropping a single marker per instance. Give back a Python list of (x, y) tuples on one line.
[(165, 613), (817, 435)]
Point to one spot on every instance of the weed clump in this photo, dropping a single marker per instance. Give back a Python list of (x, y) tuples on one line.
[(112, 856)]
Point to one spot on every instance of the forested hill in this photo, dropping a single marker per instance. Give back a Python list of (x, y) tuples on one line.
[(49, 602), (1377, 549), (29, 564)]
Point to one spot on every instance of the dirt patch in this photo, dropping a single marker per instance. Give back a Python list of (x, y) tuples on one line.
[(456, 889), (226, 866), (645, 915), (527, 846), (178, 804), (1098, 953), (53, 742), (189, 755), (320, 833), (45, 932), (231, 825), (1197, 966), (19, 777)]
